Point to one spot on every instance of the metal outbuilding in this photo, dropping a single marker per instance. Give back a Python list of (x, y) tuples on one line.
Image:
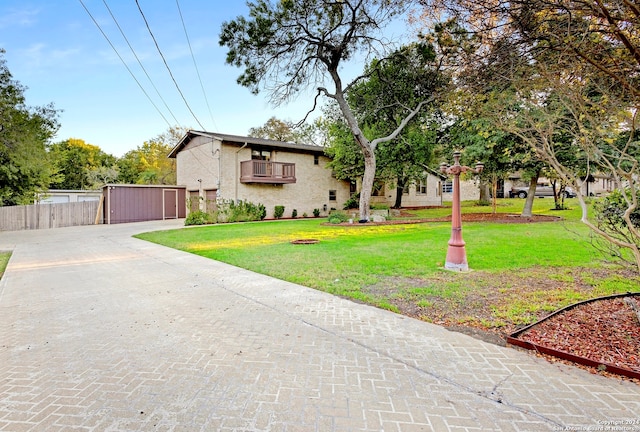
[(137, 203)]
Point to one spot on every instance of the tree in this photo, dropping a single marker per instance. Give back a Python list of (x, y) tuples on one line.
[(288, 131), (25, 169), (497, 150), (149, 164), (101, 176), (408, 75), (288, 46), (75, 160), (275, 129), (572, 70)]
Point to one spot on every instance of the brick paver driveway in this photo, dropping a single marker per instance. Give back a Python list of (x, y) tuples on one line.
[(101, 331)]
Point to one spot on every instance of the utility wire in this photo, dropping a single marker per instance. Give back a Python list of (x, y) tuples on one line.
[(195, 65), (167, 66), (139, 62), (124, 63)]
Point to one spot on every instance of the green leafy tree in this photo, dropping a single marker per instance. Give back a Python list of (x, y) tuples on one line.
[(494, 148), (573, 73), (25, 168), (149, 164), (275, 129), (379, 101), (101, 176), (75, 160), (289, 46)]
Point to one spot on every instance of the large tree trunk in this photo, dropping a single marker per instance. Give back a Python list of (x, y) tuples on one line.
[(494, 193), (399, 192), (484, 192), (367, 184), (368, 150), (527, 211)]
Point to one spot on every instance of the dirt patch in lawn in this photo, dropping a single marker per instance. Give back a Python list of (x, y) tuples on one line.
[(491, 306)]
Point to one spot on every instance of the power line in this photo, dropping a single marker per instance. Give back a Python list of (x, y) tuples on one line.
[(139, 62), (167, 66), (204, 93), (124, 63)]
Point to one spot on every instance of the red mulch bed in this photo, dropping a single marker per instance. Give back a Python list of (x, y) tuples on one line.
[(605, 331)]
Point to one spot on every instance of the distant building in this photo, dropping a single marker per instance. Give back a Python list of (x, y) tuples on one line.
[(58, 196)]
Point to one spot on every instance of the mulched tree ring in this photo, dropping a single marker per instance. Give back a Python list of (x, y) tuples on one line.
[(304, 241), (603, 333)]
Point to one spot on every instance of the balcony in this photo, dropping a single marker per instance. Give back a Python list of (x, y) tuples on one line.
[(260, 171)]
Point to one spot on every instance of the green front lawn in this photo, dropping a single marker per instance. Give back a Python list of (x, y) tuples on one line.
[(4, 260), (521, 271)]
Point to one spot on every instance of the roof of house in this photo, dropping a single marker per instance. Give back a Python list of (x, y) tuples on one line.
[(241, 140)]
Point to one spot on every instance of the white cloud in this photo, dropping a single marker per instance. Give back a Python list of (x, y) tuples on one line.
[(18, 18)]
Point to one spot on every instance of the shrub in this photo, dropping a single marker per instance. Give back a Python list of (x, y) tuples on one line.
[(353, 202), (338, 217), (239, 211), (379, 207), (294, 213), (316, 212), (610, 211), (278, 211), (198, 218), (609, 217)]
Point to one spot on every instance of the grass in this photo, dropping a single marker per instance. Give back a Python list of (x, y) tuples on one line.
[(4, 260), (520, 270)]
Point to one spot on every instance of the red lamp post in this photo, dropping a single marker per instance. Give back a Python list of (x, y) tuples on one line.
[(456, 254)]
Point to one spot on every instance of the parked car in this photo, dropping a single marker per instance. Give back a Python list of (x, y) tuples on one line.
[(542, 190)]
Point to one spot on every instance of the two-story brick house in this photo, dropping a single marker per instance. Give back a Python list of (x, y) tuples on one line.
[(213, 165)]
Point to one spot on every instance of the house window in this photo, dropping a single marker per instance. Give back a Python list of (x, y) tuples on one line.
[(258, 154), (422, 187), (447, 186), (332, 195), (405, 188), (316, 159)]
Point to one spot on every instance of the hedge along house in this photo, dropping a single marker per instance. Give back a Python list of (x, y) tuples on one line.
[(216, 166)]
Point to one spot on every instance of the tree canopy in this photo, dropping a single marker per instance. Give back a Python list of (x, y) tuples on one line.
[(149, 162), (288, 131), (78, 163), (381, 101), (562, 76), (289, 46), (25, 168)]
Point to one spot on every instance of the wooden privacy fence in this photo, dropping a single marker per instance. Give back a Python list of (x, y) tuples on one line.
[(42, 216)]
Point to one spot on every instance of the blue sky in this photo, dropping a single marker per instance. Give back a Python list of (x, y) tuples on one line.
[(55, 49)]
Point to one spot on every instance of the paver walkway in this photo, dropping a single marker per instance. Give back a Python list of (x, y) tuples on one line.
[(101, 331)]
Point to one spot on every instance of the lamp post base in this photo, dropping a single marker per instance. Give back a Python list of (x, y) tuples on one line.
[(456, 267), (456, 257)]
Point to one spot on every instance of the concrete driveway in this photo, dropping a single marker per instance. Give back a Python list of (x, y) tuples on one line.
[(101, 331)]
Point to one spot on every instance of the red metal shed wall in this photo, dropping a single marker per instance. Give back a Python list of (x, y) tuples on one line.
[(137, 204)]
